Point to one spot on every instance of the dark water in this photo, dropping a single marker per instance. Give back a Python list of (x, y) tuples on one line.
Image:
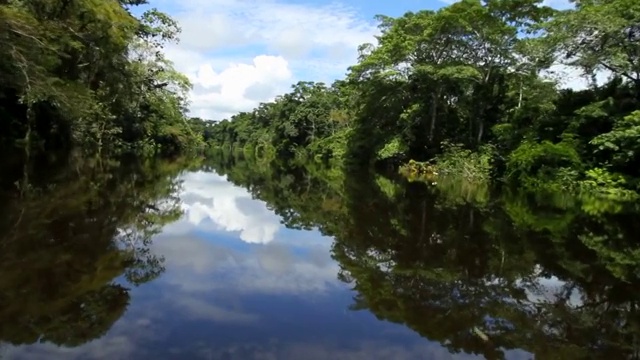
[(237, 259)]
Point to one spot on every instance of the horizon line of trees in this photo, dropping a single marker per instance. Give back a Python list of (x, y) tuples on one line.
[(471, 77)]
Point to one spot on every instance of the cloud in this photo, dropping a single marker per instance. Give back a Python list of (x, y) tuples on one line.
[(359, 349), (239, 53), (122, 342), (199, 266), (239, 87), (114, 347), (291, 30), (199, 309), (571, 77), (203, 244), (558, 4), (276, 346), (212, 203)]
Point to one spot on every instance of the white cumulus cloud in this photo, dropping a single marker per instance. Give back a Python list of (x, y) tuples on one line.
[(239, 87), (239, 53)]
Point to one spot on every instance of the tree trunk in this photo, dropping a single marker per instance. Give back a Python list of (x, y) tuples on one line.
[(434, 114), (520, 97)]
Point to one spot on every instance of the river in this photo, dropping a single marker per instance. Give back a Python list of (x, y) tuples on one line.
[(233, 258)]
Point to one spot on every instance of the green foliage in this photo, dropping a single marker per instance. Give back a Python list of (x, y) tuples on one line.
[(330, 148), (622, 143), (394, 148), (602, 183), (457, 191), (543, 165), (308, 121), (90, 73), (464, 171), (478, 74), (600, 35), (455, 161)]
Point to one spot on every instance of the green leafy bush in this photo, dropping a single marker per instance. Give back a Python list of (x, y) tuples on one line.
[(544, 165)]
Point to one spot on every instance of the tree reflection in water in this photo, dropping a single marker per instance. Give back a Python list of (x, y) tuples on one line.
[(70, 226), (479, 272)]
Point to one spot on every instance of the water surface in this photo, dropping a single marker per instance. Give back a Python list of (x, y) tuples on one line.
[(238, 259)]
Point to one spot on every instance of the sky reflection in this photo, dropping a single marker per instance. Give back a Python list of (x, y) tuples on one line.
[(239, 285)]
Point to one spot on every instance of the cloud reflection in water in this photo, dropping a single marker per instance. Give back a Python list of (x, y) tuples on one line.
[(238, 285)]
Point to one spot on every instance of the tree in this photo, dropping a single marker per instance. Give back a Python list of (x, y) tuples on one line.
[(89, 73), (601, 36)]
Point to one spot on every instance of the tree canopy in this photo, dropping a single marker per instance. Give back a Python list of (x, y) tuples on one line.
[(476, 77), (89, 73)]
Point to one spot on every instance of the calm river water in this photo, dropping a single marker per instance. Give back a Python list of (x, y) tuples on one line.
[(239, 259)]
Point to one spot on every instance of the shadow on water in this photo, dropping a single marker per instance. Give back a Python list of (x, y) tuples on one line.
[(71, 228), (553, 275)]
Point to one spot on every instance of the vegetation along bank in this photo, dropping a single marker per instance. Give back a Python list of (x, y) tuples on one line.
[(91, 74), (469, 90)]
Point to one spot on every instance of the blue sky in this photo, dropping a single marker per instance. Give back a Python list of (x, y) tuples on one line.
[(239, 53), (368, 8)]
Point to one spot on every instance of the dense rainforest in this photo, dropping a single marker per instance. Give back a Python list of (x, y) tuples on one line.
[(90, 74), (84, 89), (472, 90)]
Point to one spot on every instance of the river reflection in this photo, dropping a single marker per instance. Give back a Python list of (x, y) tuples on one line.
[(238, 259)]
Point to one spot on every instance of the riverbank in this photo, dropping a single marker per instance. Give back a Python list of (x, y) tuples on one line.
[(501, 117)]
